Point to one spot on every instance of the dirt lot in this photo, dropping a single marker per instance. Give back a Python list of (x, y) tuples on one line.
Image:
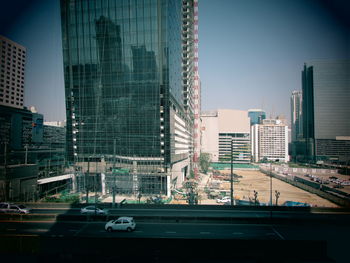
[(255, 180)]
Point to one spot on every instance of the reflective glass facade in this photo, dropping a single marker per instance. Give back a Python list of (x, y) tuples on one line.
[(326, 110), (123, 73), (256, 116)]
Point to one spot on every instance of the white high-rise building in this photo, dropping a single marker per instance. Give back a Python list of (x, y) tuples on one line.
[(13, 58), (270, 141)]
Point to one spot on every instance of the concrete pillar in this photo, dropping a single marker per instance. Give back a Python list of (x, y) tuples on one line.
[(103, 183), (74, 183), (168, 183)]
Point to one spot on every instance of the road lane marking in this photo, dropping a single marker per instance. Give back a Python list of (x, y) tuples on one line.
[(138, 231), (73, 230), (237, 233), (36, 230), (170, 232), (204, 233), (81, 229), (277, 233)]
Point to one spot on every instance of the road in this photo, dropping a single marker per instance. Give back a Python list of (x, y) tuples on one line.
[(143, 230), (291, 238), (202, 225)]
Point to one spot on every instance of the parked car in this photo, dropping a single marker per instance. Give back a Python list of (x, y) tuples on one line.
[(225, 199), (122, 223), (13, 208), (91, 210)]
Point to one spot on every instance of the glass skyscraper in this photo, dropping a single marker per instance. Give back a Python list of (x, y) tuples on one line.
[(256, 116), (128, 120), (325, 107)]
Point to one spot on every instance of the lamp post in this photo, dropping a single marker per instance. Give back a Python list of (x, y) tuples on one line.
[(87, 181), (270, 184), (232, 199)]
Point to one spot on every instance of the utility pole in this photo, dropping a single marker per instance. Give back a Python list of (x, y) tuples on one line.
[(95, 182), (26, 155), (232, 199), (7, 183), (113, 173), (87, 181), (270, 184)]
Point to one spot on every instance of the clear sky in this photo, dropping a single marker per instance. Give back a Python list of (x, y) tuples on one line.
[(251, 52)]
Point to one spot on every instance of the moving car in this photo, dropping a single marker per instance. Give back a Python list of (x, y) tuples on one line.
[(13, 208), (225, 199), (90, 210), (122, 223)]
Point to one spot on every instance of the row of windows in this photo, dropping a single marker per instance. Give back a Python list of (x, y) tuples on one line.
[(11, 102), (12, 97), (13, 69), (12, 84), (12, 93), (13, 62), (9, 72), (14, 56)]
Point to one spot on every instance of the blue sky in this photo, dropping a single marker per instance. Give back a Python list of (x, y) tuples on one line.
[(251, 52)]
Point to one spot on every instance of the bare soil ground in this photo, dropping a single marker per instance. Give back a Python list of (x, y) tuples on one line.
[(258, 181)]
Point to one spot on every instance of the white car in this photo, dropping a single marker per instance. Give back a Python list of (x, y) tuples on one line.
[(225, 199), (122, 223), (12, 208), (91, 210)]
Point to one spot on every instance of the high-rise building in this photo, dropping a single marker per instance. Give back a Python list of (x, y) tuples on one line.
[(12, 63), (270, 141), (296, 112), (256, 116), (130, 70), (326, 109), (224, 133)]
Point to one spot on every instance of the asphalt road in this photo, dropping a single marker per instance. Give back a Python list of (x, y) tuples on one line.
[(210, 213), (143, 230), (336, 237)]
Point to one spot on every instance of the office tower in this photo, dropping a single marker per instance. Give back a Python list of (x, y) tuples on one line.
[(13, 58), (296, 115), (270, 141), (130, 117), (326, 109), (226, 132), (296, 112), (191, 81), (256, 116)]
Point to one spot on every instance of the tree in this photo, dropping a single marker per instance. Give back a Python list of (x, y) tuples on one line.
[(204, 162)]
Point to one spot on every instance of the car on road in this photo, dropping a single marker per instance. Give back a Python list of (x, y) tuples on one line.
[(122, 223), (225, 199), (13, 208), (91, 210)]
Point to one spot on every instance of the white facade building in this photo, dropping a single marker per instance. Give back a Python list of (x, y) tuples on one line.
[(226, 132), (269, 141), (13, 58)]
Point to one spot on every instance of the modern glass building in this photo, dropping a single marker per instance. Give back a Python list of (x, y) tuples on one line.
[(256, 116), (296, 113), (129, 126), (326, 109)]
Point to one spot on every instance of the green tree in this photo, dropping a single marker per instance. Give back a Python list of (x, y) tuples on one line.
[(204, 162)]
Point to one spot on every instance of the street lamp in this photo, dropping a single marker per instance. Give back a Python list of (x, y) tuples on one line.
[(270, 184), (232, 199)]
